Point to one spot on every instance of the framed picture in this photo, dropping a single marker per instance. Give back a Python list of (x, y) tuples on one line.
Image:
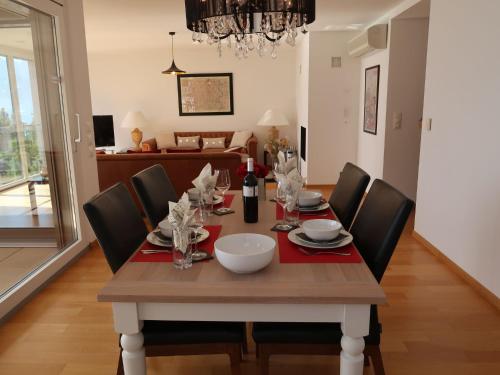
[(205, 94), (372, 77)]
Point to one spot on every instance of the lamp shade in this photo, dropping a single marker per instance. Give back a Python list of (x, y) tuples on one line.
[(273, 118), (134, 119)]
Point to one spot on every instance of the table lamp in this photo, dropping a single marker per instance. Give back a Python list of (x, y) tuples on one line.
[(135, 120), (273, 118)]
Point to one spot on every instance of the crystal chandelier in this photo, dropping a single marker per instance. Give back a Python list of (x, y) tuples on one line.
[(248, 25)]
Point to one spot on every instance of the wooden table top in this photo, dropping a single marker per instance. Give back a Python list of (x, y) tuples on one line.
[(209, 282)]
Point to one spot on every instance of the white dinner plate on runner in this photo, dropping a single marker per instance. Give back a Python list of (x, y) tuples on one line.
[(321, 207), (292, 237), (153, 238)]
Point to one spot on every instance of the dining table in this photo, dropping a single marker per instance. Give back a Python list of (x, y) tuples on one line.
[(292, 288)]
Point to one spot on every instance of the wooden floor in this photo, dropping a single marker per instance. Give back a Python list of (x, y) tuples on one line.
[(16, 263), (433, 324)]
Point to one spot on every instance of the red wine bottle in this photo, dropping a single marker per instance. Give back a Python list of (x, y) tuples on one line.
[(250, 195)]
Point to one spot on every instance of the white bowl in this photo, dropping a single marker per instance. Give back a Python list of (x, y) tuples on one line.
[(244, 252), (166, 228), (322, 229), (309, 198)]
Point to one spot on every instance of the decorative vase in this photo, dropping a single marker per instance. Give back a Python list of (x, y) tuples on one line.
[(181, 249), (261, 183)]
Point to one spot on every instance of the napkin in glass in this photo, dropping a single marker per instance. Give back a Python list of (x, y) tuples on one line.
[(292, 184), (286, 166), (180, 216), (206, 182)]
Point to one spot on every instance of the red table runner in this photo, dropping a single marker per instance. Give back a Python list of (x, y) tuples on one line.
[(289, 252), (228, 200), (207, 245)]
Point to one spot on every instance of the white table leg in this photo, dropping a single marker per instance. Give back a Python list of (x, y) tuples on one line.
[(356, 324), (133, 354), (132, 341)]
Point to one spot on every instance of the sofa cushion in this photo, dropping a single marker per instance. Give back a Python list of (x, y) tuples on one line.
[(240, 138), (208, 134), (165, 140), (191, 142), (211, 143)]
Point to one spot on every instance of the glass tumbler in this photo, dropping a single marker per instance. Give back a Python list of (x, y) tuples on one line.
[(181, 250)]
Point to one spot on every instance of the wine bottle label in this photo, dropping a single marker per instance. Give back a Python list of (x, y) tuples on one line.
[(250, 191)]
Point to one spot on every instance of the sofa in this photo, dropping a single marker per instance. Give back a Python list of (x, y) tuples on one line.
[(181, 167), (250, 148)]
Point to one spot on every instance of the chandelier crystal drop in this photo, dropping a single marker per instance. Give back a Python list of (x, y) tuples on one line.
[(248, 25)]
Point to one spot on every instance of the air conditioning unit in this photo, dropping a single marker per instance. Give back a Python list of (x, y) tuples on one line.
[(373, 38)]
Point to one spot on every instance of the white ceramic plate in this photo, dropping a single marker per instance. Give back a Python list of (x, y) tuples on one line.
[(153, 239), (296, 240), (321, 207)]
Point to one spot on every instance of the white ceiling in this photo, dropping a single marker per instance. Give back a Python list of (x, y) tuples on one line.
[(122, 24)]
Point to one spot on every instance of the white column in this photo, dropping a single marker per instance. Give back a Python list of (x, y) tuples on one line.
[(127, 323), (355, 325)]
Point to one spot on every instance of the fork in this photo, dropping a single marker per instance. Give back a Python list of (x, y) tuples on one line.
[(145, 251), (312, 253)]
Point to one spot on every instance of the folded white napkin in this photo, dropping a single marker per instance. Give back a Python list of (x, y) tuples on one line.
[(286, 166), (180, 216), (206, 182), (292, 184)]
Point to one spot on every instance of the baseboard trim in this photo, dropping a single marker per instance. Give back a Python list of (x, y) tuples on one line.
[(478, 287)]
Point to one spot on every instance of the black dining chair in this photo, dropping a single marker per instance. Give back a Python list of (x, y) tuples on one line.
[(120, 230), (348, 193), (376, 231), (155, 190)]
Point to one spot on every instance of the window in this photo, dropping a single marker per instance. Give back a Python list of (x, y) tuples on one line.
[(21, 143), (10, 156)]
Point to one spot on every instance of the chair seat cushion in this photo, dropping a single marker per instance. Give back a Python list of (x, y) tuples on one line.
[(173, 332), (304, 333)]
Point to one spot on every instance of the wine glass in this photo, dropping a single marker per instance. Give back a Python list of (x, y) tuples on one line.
[(281, 195), (196, 224), (222, 185)]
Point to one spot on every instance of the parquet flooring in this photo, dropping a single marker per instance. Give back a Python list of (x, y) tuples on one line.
[(433, 324)]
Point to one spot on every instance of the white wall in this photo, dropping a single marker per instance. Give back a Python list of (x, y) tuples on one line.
[(128, 80), (332, 114), (371, 147), (458, 206), (302, 92), (405, 95)]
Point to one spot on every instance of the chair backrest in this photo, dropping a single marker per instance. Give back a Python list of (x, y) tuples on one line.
[(155, 190), (117, 224), (379, 224), (349, 191)]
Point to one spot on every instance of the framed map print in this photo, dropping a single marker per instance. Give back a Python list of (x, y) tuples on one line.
[(205, 94), (372, 76)]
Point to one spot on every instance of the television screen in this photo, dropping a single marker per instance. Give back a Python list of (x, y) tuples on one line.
[(104, 133)]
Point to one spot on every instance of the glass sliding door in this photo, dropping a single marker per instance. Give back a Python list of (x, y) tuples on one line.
[(37, 204)]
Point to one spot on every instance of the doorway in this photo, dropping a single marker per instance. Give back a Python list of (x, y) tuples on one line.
[(405, 97), (37, 205)]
